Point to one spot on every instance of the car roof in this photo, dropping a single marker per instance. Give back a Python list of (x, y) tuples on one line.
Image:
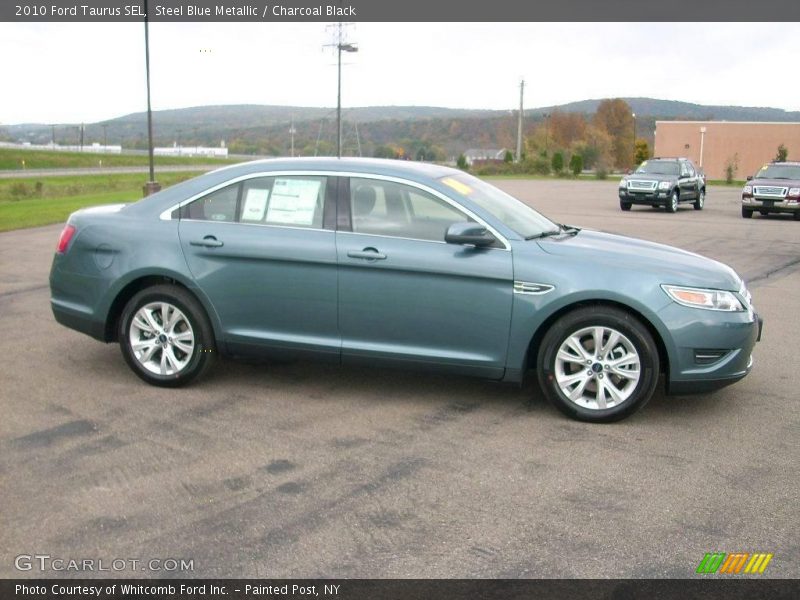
[(788, 163), (384, 166)]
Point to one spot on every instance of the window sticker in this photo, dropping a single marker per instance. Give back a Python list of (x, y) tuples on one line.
[(255, 204), (293, 201), (461, 188)]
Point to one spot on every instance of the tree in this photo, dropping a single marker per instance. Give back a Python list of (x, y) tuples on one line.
[(385, 151), (594, 148), (731, 167), (461, 163), (508, 158), (565, 128), (783, 153), (558, 162), (642, 152), (576, 164), (616, 119)]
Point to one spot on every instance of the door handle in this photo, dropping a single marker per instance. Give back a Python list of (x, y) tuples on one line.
[(209, 242), (367, 254)]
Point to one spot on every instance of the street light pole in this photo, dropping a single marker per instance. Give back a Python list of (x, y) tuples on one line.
[(634, 138), (151, 186), (702, 139)]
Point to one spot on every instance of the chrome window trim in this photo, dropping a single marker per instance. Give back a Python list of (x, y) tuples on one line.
[(166, 215)]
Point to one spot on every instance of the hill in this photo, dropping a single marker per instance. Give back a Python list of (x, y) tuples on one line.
[(264, 129)]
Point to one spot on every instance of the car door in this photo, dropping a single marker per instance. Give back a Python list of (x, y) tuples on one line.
[(406, 296), (263, 253), (688, 181)]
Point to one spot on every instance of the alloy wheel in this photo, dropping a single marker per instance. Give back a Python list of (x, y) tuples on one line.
[(161, 338), (597, 368)]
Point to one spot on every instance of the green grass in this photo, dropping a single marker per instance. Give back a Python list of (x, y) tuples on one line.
[(23, 203), (734, 183), (11, 159)]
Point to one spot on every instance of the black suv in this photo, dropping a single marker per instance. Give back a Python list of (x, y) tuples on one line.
[(663, 182), (775, 188)]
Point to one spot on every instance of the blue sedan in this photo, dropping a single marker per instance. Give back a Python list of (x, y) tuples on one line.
[(396, 263)]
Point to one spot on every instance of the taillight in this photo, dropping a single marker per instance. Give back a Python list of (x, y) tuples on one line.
[(65, 238)]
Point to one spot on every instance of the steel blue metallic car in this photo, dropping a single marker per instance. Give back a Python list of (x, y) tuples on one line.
[(396, 263)]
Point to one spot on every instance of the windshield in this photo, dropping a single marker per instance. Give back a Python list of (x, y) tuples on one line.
[(658, 167), (779, 172), (514, 214)]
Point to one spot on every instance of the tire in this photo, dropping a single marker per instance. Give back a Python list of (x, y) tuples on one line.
[(672, 203), (624, 391), (701, 200), (169, 356), (763, 213), (624, 205), (747, 213), (797, 215)]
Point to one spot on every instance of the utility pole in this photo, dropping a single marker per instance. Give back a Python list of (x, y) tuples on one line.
[(151, 186), (82, 130), (53, 136), (341, 46), (105, 136), (519, 121), (633, 115)]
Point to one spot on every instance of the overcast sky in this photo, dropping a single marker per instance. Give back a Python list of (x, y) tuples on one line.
[(59, 72)]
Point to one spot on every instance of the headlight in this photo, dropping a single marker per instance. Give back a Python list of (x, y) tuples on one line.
[(623, 183), (702, 298), (664, 185), (794, 192), (748, 189)]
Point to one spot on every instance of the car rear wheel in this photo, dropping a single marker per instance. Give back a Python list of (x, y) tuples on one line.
[(624, 205), (747, 213), (672, 203), (165, 336), (598, 364), (701, 200)]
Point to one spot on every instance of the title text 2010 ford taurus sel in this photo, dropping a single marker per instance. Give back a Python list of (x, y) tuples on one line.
[(395, 263)]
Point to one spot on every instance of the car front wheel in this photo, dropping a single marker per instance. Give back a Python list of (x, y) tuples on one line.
[(624, 205), (672, 203), (598, 364), (165, 336), (701, 200), (747, 213)]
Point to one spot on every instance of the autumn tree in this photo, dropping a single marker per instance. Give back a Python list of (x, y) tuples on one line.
[(783, 153), (594, 149), (614, 116), (565, 128)]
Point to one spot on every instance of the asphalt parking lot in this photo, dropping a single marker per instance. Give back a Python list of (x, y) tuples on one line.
[(302, 470)]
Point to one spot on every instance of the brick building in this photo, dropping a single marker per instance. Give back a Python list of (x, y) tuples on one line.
[(712, 144)]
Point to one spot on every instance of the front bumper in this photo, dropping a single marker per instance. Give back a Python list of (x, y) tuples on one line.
[(700, 334), (652, 197), (776, 205)]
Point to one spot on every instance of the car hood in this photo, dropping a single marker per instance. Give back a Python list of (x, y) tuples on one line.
[(671, 265), (648, 177), (775, 182)]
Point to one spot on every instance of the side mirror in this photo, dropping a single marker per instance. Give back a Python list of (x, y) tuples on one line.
[(469, 233), (749, 178)]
